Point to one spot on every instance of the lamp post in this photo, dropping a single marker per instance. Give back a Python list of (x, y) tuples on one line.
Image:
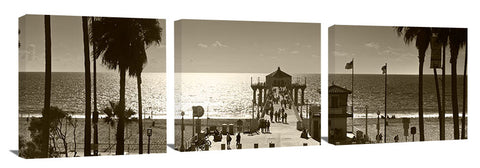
[(182, 148), (306, 108), (378, 125), (149, 134), (366, 120)]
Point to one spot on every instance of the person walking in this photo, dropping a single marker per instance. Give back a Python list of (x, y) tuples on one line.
[(275, 116), (286, 118), (268, 126), (229, 139), (238, 139), (271, 115), (396, 138)]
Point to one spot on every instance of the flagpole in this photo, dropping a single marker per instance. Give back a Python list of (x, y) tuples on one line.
[(353, 69), (385, 125)]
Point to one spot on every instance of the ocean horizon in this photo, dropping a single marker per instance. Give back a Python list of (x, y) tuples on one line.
[(228, 95), (402, 94), (68, 92)]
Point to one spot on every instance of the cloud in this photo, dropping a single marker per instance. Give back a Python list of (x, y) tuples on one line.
[(341, 54), (373, 45), (202, 45), (281, 50), (337, 45), (294, 52), (31, 52), (218, 44), (397, 54)]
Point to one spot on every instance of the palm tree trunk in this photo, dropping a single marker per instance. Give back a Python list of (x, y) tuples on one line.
[(120, 136), (48, 82), (438, 94), (442, 112), (95, 110), (140, 122), (88, 127), (464, 109), (453, 63), (420, 99)]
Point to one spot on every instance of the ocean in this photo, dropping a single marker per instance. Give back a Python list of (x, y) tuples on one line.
[(402, 94), (68, 92), (228, 95)]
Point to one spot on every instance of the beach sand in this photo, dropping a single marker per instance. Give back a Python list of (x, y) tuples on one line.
[(157, 141), (395, 127)]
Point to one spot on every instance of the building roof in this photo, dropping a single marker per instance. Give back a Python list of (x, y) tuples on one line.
[(278, 74), (334, 89)]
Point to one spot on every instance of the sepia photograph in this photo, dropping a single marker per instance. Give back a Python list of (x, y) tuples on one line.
[(246, 85), (396, 84), (91, 86)]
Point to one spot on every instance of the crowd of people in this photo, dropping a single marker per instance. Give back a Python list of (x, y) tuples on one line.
[(270, 115)]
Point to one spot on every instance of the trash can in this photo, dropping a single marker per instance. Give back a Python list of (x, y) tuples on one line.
[(271, 145), (224, 129), (239, 146), (255, 145), (223, 146)]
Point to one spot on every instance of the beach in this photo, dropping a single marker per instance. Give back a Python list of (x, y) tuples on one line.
[(157, 144), (395, 127)]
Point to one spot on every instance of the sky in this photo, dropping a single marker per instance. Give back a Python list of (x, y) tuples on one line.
[(373, 46), (67, 46), (246, 47)]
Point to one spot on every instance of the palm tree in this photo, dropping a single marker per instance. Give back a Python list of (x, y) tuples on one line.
[(422, 36), (458, 39), (48, 84), (443, 34), (113, 113), (88, 102), (465, 82), (122, 43), (151, 35), (95, 110)]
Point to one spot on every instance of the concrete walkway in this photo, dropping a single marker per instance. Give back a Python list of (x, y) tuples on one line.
[(282, 135)]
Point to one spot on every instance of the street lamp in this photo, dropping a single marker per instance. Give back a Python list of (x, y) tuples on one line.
[(378, 125), (182, 148), (366, 121), (149, 134)]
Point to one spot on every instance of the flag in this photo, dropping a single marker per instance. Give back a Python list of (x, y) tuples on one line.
[(384, 69), (349, 65)]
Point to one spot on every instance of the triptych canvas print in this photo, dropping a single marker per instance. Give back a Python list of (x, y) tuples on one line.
[(396, 84), (96, 86)]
